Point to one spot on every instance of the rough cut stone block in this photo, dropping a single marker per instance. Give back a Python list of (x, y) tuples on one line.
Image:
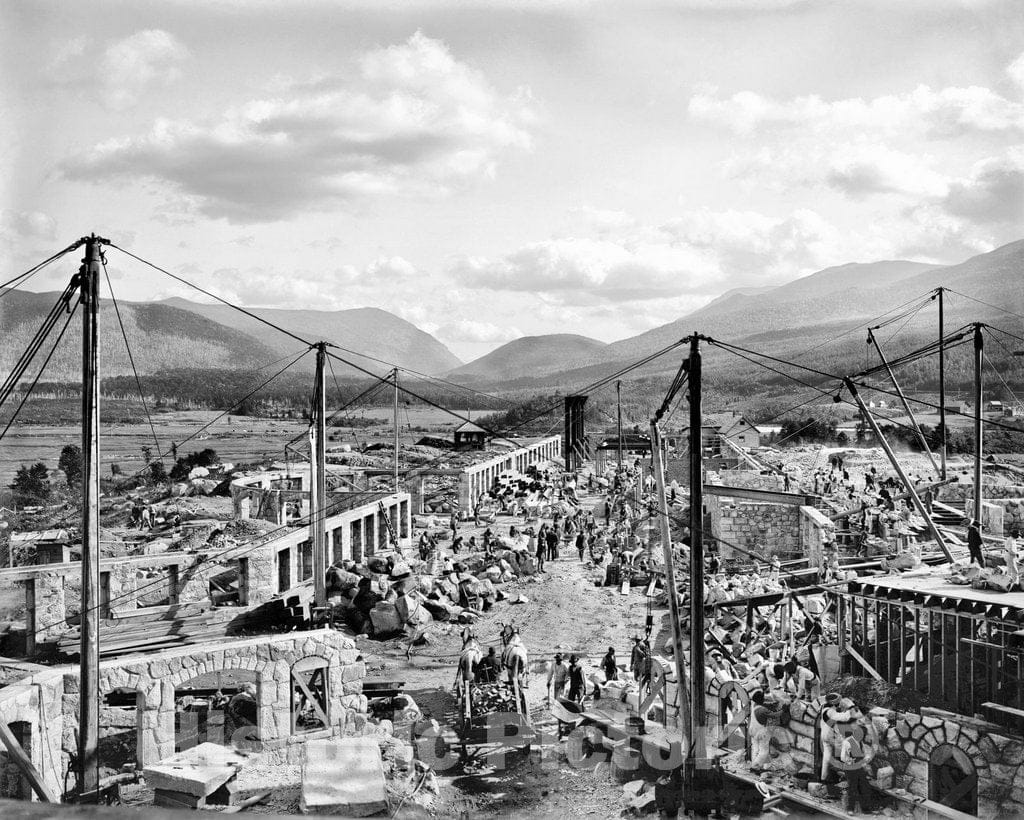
[(198, 771), (343, 776)]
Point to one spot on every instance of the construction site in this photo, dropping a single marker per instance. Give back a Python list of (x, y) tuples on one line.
[(683, 620)]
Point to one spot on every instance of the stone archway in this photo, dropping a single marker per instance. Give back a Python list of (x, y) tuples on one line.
[(121, 734), (216, 707), (734, 715), (953, 779), (13, 783)]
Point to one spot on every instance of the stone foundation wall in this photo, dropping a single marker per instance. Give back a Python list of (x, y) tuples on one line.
[(747, 479), (965, 491), (764, 529), (49, 700), (816, 531), (906, 741)]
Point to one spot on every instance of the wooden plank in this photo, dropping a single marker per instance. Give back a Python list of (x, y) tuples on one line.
[(313, 700), (867, 666), (765, 496), (249, 801), (22, 761)]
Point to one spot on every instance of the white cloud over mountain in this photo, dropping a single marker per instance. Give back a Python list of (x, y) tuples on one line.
[(412, 119), (924, 112), (687, 256), (332, 289)]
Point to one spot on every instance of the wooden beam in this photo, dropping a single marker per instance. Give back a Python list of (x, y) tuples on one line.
[(765, 496), (21, 760), (900, 497), (860, 659)]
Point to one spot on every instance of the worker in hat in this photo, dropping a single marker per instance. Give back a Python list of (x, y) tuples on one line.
[(577, 683), (610, 665), (974, 543), (760, 731), (832, 714), (558, 677)]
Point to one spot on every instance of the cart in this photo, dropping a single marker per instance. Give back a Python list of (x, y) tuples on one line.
[(494, 713)]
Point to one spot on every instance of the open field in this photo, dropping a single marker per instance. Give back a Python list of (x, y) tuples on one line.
[(235, 438)]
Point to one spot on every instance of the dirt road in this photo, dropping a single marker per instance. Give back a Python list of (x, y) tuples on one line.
[(565, 612)]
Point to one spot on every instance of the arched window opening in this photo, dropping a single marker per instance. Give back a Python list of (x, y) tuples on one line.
[(952, 779)]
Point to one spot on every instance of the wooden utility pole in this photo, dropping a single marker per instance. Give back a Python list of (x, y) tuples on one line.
[(698, 719), (942, 383), (89, 649), (922, 510), (903, 399), (618, 395), (396, 429), (979, 353), (661, 506), (318, 481)]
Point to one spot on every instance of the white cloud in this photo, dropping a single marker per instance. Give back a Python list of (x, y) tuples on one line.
[(388, 270), (335, 289), (993, 192), (124, 71), (141, 61), (16, 226), (871, 169), (413, 120), (1016, 71), (941, 113), (602, 221), (468, 330), (700, 253)]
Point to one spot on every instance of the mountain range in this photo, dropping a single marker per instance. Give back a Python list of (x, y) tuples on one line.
[(814, 314), (819, 318)]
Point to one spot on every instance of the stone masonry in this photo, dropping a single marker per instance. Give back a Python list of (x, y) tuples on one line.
[(49, 700)]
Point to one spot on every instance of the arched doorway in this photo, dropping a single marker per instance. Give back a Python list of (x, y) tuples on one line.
[(733, 714), (217, 707), (953, 779), (13, 783), (120, 724)]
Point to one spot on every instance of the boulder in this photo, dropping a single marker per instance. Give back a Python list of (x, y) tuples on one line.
[(385, 619)]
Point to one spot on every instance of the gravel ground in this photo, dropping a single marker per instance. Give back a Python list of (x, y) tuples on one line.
[(565, 612)]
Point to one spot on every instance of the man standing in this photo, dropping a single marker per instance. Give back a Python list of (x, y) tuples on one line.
[(609, 665), (541, 550), (577, 685), (453, 524), (974, 543), (558, 677), (852, 755), (832, 714), (552, 543), (487, 669), (636, 657)]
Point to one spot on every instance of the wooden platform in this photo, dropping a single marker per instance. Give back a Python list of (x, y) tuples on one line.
[(918, 588)]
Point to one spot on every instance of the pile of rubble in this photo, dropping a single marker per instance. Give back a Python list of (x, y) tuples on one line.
[(384, 598)]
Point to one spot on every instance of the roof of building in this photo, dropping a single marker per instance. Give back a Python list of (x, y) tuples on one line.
[(727, 421), (629, 440), (469, 427)]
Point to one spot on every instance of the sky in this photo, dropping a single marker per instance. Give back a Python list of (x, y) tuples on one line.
[(500, 168)]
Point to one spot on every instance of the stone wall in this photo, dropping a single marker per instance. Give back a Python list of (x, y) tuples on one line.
[(965, 491), (906, 741), (478, 478), (746, 479), (763, 529), (816, 530), (49, 700)]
